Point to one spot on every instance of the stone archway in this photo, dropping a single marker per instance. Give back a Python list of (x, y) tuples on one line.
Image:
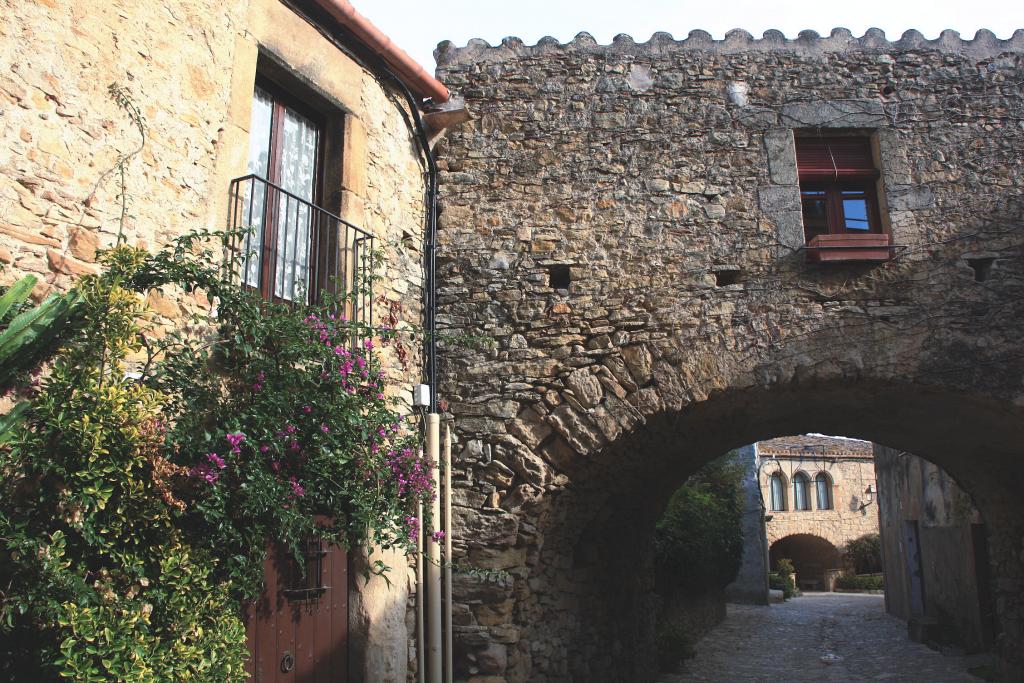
[(811, 556), (624, 222)]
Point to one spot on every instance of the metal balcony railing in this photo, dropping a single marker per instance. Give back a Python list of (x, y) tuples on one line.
[(293, 251)]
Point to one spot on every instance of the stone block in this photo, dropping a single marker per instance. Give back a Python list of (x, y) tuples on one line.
[(68, 265), (639, 362), (579, 432), (781, 151), (497, 558), (530, 467), (493, 614), (354, 157), (529, 427), (83, 244), (586, 388), (851, 113), (774, 199), (478, 528)]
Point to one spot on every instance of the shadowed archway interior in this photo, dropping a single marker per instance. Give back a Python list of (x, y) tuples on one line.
[(594, 573)]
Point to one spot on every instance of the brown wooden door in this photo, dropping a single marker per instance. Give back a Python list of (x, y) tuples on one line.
[(297, 630)]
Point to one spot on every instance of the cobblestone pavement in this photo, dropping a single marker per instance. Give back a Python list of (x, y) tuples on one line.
[(786, 642)]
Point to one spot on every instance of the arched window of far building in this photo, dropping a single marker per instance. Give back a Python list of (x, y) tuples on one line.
[(778, 491), (800, 497), (823, 487)]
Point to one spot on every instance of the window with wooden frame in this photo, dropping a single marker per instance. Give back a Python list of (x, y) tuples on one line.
[(286, 143), (839, 198)]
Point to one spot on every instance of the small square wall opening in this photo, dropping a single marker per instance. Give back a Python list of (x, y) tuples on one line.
[(982, 267), (724, 278), (559, 277)]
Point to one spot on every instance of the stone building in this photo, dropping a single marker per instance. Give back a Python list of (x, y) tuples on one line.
[(654, 236), (819, 494), (649, 234), (304, 102), (935, 552)]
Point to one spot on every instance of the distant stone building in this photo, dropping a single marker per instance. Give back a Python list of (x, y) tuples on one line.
[(819, 494), (935, 552)]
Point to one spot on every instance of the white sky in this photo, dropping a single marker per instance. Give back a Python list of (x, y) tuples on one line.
[(417, 26)]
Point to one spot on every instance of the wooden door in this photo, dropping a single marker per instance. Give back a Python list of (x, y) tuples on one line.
[(297, 630), (912, 552)]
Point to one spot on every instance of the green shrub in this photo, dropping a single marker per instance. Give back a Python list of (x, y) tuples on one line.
[(698, 546), (782, 579), (864, 554), (873, 582), (675, 641), (699, 540), (134, 514), (99, 584)]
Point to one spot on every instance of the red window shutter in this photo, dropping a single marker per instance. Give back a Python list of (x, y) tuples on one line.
[(834, 158)]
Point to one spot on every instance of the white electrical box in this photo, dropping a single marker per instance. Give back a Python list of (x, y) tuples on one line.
[(421, 395)]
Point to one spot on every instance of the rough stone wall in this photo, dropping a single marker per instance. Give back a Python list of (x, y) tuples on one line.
[(957, 586), (190, 67), (751, 583), (851, 469), (624, 222)]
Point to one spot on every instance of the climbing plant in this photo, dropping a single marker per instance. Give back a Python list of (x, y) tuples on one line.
[(150, 470)]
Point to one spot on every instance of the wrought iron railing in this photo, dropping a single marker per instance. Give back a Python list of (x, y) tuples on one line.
[(293, 251)]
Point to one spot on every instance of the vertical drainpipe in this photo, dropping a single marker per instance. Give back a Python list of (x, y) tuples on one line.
[(435, 658), (447, 567), (421, 645)]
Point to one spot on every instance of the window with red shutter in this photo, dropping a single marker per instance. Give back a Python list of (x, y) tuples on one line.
[(838, 196)]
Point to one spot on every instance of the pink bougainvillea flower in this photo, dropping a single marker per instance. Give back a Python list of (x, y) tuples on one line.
[(413, 525), (203, 471), (438, 536), (235, 439)]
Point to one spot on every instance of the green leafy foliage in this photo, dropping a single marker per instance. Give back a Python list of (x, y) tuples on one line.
[(675, 641), (699, 539), (281, 419), (698, 546), (871, 582), (31, 335), (135, 513), (864, 554), (782, 579)]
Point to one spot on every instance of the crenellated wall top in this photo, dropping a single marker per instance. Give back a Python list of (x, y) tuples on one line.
[(985, 44)]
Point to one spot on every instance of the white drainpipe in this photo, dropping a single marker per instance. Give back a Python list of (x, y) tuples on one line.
[(447, 567), (435, 659), (421, 644)]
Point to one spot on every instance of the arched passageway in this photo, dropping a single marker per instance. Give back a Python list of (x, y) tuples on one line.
[(812, 556), (625, 222), (590, 586)]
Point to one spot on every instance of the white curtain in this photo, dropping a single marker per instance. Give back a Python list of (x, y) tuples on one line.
[(824, 497), (778, 493), (254, 196), (298, 176), (800, 492)]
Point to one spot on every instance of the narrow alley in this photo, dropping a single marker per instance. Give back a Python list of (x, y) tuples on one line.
[(834, 637)]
